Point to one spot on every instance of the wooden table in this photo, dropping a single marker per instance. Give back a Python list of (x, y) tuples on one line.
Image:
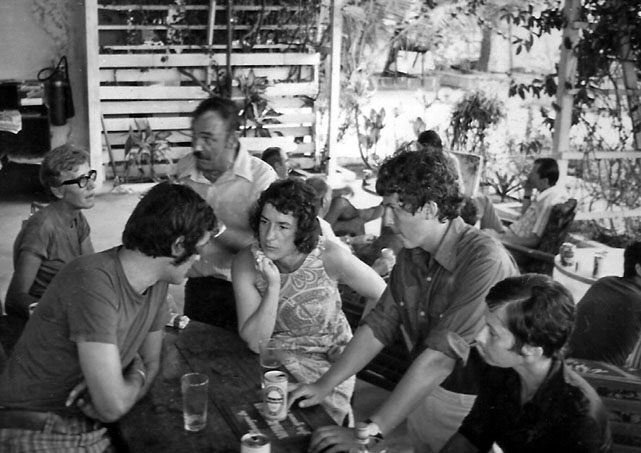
[(155, 424), (579, 278)]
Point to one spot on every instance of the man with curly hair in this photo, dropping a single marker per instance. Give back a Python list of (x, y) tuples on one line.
[(434, 300)]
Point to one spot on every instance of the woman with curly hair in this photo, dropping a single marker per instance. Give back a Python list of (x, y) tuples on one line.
[(286, 287)]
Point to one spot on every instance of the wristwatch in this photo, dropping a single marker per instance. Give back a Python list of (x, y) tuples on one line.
[(374, 430)]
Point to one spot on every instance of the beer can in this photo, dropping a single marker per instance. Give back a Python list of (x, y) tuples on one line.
[(275, 395), (567, 254), (598, 264), (255, 443)]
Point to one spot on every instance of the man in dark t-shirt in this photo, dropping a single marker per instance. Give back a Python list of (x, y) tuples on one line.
[(608, 320), (529, 401), (92, 347)]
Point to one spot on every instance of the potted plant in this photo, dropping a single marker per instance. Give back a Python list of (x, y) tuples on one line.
[(146, 148)]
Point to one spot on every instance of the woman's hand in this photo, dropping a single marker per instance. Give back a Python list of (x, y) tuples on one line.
[(268, 269)]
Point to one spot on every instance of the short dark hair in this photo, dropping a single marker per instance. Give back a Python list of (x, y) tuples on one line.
[(418, 178), (540, 311), (272, 155), (430, 138), (223, 107), (548, 168), (631, 257), (65, 157), (167, 212), (296, 198)]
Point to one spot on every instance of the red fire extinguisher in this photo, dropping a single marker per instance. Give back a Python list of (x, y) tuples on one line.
[(58, 92)]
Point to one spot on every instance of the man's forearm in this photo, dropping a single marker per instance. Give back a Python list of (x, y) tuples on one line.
[(18, 303), (531, 241), (423, 376), (235, 239), (358, 353)]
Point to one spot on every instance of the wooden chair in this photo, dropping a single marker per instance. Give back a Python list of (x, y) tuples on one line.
[(620, 391), (541, 259)]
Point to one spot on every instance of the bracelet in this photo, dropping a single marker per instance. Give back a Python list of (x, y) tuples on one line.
[(143, 375)]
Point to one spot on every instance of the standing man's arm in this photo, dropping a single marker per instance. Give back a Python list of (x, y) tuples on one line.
[(235, 239), (361, 349), (426, 372)]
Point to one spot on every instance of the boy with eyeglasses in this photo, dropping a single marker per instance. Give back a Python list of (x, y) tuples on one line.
[(57, 233), (92, 347)]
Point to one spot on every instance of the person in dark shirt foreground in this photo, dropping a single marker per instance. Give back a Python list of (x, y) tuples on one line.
[(529, 400)]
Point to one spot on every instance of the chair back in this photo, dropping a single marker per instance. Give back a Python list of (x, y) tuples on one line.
[(556, 231), (620, 391)]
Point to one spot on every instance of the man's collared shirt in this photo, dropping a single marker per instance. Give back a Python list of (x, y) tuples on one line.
[(231, 197), (438, 302), (564, 415), (536, 216)]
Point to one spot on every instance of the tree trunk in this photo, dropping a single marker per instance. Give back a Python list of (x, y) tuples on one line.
[(486, 50)]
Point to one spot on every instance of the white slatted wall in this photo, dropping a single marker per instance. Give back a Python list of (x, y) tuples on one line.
[(146, 84)]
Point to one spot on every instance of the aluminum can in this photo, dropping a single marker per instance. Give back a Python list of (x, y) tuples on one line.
[(255, 443), (275, 395), (598, 264), (567, 254)]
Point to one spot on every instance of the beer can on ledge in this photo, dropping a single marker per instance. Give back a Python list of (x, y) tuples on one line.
[(255, 443), (598, 265), (567, 254), (275, 395)]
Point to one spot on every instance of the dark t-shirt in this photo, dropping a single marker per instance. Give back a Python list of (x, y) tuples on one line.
[(565, 415), (89, 300), (608, 321)]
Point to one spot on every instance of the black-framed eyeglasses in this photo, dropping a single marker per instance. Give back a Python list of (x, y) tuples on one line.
[(82, 180)]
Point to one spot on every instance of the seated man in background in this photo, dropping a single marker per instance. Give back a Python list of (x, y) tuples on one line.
[(55, 234), (608, 322), (278, 160), (529, 228), (530, 401), (92, 347)]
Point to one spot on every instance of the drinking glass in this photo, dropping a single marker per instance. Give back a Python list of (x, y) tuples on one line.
[(271, 351), (194, 390)]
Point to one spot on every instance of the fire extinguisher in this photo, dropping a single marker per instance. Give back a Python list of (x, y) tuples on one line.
[(58, 92)]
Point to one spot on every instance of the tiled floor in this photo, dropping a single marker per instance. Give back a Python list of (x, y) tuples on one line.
[(107, 220)]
